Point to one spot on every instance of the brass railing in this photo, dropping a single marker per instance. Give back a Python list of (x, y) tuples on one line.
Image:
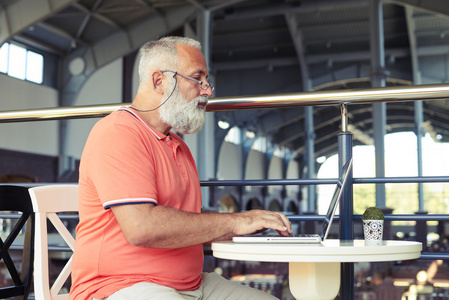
[(356, 96)]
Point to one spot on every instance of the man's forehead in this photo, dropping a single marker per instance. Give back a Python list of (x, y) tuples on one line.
[(192, 59)]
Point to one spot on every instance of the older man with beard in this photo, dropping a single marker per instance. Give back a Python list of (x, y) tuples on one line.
[(141, 230)]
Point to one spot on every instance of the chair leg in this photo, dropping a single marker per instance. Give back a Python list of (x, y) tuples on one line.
[(27, 259)]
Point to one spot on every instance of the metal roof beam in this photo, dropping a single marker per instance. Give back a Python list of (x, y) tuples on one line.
[(37, 44), (61, 33), (224, 4), (298, 42), (21, 14), (438, 7), (313, 7), (115, 45), (93, 13), (322, 58)]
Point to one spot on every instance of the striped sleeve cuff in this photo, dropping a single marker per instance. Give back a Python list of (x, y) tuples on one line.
[(109, 204)]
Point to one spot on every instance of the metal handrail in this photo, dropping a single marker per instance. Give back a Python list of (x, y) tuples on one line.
[(261, 182), (207, 251), (320, 98)]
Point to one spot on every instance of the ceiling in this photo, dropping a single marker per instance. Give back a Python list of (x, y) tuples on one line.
[(260, 47)]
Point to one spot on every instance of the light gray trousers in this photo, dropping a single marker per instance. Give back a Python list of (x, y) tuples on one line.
[(213, 287)]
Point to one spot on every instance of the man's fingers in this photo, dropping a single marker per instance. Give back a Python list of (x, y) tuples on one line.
[(282, 219), (260, 220), (280, 223), (287, 223)]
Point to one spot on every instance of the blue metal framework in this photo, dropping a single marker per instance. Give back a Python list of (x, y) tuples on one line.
[(347, 216)]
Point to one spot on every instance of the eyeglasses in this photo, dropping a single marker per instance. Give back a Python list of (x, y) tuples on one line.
[(203, 85)]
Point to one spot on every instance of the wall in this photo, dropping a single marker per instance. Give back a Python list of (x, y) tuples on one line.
[(103, 87), (434, 69), (275, 172), (34, 137), (31, 148), (229, 162), (255, 165), (293, 173)]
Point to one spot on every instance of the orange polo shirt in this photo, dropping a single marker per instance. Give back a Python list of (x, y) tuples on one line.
[(125, 161)]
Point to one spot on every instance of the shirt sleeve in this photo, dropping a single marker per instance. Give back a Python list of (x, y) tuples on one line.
[(121, 167)]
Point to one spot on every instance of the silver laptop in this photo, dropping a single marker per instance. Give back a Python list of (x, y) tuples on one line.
[(305, 238)]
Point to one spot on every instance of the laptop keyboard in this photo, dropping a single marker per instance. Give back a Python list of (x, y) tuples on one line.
[(305, 235)]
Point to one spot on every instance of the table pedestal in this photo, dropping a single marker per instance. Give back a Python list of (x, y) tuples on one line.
[(314, 281)]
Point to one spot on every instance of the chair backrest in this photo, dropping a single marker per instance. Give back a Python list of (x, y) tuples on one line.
[(17, 199), (47, 201)]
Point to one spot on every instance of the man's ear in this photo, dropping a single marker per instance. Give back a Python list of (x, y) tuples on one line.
[(158, 82)]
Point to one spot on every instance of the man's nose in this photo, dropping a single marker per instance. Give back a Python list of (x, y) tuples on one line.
[(207, 92)]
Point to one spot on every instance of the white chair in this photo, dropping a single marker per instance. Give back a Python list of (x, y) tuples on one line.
[(47, 201)]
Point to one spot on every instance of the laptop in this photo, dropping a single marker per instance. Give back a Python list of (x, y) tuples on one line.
[(305, 238)]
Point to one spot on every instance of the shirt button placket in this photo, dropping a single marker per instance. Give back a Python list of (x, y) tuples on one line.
[(175, 148)]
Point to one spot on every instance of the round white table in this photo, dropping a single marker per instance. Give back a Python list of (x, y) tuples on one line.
[(314, 269)]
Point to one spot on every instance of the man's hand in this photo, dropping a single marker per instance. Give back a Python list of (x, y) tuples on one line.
[(260, 220)]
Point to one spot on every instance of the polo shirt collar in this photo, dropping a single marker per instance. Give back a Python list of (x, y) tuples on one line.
[(157, 134)]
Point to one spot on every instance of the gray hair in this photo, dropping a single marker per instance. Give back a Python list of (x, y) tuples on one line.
[(161, 54)]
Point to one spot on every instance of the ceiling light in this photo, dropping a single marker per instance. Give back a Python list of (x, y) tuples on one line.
[(321, 159), (223, 124), (250, 134)]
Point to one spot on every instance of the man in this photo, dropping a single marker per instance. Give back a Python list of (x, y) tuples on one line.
[(141, 228)]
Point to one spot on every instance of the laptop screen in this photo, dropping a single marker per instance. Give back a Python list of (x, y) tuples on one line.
[(335, 199)]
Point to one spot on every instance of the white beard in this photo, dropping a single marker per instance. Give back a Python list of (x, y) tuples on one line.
[(182, 115)]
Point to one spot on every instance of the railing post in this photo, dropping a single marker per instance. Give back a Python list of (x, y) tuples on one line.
[(346, 206)]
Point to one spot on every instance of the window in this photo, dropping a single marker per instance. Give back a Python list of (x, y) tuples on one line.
[(4, 58), (234, 136), (35, 67), (18, 62), (260, 144)]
